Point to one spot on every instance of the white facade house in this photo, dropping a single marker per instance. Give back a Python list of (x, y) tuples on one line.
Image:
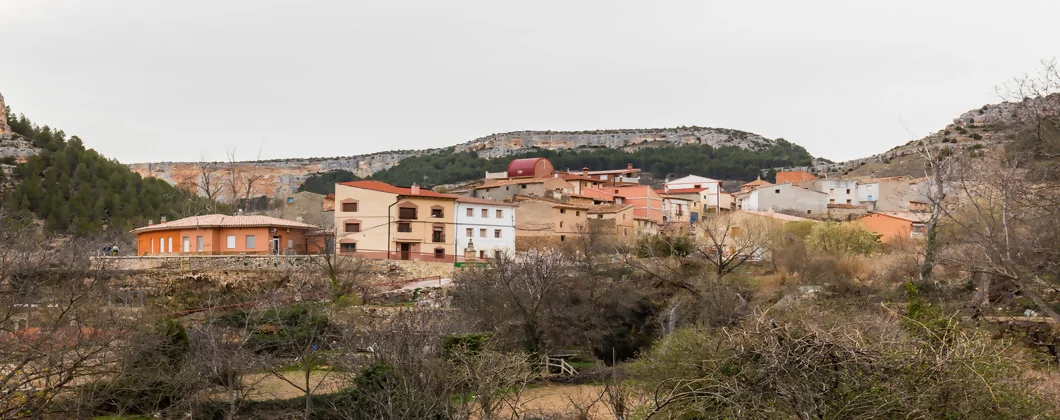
[(786, 197), (488, 226), (840, 191), (711, 188)]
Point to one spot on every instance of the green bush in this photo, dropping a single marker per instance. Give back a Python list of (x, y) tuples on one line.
[(283, 330), (664, 246), (842, 239)]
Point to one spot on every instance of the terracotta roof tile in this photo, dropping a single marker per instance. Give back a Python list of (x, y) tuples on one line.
[(221, 220), (387, 188), (609, 208)]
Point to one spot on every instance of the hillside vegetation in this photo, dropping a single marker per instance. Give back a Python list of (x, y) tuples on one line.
[(449, 167), (76, 190)]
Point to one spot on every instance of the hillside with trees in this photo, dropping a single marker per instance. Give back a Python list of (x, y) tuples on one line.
[(449, 166), (76, 190)]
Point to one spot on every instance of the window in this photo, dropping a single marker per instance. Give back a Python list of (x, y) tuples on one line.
[(848, 190), (599, 216), (198, 243), (496, 253), (349, 207), (404, 227), (290, 200), (831, 191), (777, 191), (695, 186), (251, 241), (577, 213), (482, 233), (562, 238), (439, 253), (470, 212), (407, 213), (470, 232), (522, 185), (438, 234), (170, 244), (185, 243), (485, 213), (848, 201), (831, 201), (348, 247), (623, 217), (560, 224), (563, 210), (290, 243), (353, 227), (436, 213), (808, 211), (496, 233), (482, 254), (231, 241), (500, 214)]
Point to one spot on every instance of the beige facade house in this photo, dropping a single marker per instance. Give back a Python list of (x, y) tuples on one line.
[(541, 222), (309, 207), (377, 220), (885, 194), (616, 219), (505, 189)]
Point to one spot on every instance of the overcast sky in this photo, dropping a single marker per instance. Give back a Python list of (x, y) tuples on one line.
[(151, 81)]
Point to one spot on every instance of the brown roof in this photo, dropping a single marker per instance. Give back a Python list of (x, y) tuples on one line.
[(556, 203), (387, 188), (613, 171), (609, 208), (503, 182), (569, 177), (680, 190), (473, 200), (221, 220), (903, 215), (756, 183)]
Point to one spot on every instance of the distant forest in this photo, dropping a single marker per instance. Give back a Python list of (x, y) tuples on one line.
[(449, 167), (76, 190)]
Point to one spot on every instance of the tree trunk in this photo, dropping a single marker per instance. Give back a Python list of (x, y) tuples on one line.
[(1045, 307), (307, 361)]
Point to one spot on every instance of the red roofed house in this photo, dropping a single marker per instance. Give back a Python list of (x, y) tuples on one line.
[(218, 234), (794, 177), (646, 202), (895, 226), (377, 220)]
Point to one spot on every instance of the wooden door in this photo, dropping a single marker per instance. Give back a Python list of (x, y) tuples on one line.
[(406, 251)]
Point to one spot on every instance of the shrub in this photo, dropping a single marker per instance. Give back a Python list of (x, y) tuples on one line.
[(664, 246), (842, 239)]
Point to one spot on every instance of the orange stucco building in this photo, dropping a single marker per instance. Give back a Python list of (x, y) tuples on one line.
[(894, 226), (218, 234)]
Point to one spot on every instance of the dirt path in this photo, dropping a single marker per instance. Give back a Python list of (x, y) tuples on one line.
[(268, 387), (566, 401)]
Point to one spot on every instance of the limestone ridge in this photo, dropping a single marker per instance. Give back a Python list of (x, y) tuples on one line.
[(4, 128), (280, 178)]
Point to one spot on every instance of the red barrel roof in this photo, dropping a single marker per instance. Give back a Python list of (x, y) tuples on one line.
[(526, 167)]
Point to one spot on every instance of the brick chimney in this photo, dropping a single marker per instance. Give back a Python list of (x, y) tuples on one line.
[(415, 189), (585, 171)]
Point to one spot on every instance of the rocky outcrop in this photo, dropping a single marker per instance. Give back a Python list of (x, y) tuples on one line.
[(4, 128), (280, 178)]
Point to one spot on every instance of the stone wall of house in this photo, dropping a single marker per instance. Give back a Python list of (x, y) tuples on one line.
[(384, 270)]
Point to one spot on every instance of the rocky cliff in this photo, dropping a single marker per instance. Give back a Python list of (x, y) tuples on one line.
[(4, 128), (280, 178)]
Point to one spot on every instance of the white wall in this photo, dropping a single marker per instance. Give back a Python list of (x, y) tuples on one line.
[(837, 190), (713, 187), (803, 201), (475, 222)]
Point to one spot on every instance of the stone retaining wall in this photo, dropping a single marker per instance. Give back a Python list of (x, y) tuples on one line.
[(393, 269)]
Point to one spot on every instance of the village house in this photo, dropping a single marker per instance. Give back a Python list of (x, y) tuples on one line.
[(616, 219), (505, 189), (709, 190), (754, 184), (218, 234), (600, 196), (645, 226), (581, 181), (895, 226), (786, 198), (312, 208), (630, 175), (378, 220), (885, 194), (646, 202), (677, 214), (840, 191), (794, 177), (542, 222), (484, 228)]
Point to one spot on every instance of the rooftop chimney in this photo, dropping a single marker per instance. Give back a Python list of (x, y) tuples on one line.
[(239, 212), (150, 222), (585, 171), (415, 189), (162, 220), (629, 166)]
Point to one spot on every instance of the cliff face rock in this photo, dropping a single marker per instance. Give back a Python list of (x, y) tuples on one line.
[(275, 178), (505, 144), (280, 178), (4, 128)]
